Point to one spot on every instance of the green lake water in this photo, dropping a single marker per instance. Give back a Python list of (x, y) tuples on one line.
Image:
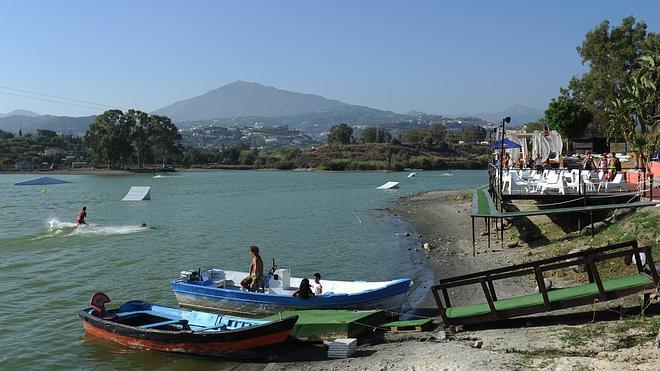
[(333, 223)]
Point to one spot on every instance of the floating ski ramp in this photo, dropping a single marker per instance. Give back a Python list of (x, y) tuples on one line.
[(44, 180), (389, 185), (138, 194)]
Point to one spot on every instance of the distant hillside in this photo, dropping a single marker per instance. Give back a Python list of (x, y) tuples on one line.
[(20, 112), (246, 104), (519, 115), (60, 124), (240, 99)]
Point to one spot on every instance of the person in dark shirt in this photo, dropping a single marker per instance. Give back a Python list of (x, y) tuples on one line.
[(305, 290)]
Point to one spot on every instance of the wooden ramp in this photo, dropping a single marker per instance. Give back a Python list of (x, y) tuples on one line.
[(493, 307), (328, 324)]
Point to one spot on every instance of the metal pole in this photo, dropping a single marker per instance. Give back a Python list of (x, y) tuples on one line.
[(488, 232), (473, 244), (502, 231), (501, 154)]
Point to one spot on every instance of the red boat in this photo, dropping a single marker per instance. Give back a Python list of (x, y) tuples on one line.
[(141, 325)]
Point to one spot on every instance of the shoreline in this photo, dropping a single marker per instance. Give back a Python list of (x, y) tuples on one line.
[(566, 339), (146, 171), (442, 219)]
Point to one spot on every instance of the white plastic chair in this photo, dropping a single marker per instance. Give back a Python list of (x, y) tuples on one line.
[(617, 183), (517, 184), (555, 181), (573, 180)]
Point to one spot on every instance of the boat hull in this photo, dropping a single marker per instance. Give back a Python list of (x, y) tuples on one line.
[(246, 303), (244, 343)]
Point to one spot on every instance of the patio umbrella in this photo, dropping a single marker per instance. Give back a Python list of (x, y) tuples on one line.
[(507, 144)]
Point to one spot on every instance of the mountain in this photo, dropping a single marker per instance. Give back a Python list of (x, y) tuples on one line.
[(241, 98), (20, 112), (416, 113), (519, 115), (60, 124)]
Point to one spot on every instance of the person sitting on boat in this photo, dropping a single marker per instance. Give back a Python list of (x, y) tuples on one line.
[(304, 290), (317, 288), (255, 279), (82, 214)]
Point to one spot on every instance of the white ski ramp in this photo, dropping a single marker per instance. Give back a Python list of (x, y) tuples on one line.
[(389, 185), (138, 194)]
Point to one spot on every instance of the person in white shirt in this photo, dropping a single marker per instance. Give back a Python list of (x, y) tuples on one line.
[(317, 288)]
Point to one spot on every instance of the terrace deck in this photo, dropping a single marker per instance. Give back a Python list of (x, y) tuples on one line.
[(484, 207)]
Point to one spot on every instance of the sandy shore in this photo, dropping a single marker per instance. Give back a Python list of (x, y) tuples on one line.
[(559, 341), (443, 220)]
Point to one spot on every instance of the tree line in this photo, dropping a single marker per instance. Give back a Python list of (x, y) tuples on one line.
[(117, 139), (435, 134), (31, 148), (619, 93)]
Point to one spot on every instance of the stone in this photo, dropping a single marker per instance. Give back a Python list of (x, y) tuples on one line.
[(407, 234), (547, 283), (484, 233), (427, 246), (581, 268), (440, 335), (657, 340), (512, 244), (477, 344)]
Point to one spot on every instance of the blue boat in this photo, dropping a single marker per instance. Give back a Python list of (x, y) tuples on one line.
[(141, 325), (220, 290)]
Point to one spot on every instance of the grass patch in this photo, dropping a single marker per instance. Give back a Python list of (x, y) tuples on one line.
[(642, 225), (576, 337), (544, 358), (651, 325)]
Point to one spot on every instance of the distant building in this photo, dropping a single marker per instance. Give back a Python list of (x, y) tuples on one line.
[(54, 151), (24, 165)]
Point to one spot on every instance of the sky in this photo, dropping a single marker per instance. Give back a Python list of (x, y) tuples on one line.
[(445, 57)]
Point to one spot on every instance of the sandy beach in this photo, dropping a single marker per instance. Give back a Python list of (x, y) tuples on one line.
[(565, 340)]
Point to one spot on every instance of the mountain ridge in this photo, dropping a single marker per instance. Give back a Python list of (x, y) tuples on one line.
[(240, 99), (20, 112)]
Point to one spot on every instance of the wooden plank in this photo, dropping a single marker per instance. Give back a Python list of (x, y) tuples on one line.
[(417, 325)]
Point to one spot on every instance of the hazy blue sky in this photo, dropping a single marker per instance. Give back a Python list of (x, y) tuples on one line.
[(435, 56)]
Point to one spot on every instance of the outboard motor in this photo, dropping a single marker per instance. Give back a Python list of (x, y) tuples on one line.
[(192, 275)]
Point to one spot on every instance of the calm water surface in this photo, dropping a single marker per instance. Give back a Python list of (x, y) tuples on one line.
[(327, 222)]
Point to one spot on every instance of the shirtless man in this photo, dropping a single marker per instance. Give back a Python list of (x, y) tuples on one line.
[(254, 280)]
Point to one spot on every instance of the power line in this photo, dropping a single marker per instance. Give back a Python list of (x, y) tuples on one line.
[(56, 96), (48, 100)]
